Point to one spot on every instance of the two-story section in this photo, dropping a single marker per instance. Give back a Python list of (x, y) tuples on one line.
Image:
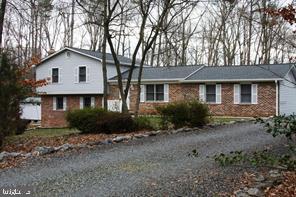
[(75, 81)]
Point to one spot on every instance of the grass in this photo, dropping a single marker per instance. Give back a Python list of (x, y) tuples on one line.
[(225, 119), (156, 120), (42, 133)]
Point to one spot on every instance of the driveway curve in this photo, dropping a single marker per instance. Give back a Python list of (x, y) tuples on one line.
[(154, 166)]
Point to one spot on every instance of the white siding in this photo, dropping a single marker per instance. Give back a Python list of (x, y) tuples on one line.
[(68, 65), (31, 111), (287, 97)]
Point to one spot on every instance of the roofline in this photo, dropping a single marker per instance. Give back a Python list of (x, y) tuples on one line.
[(181, 80), (75, 51), (232, 80), (149, 80)]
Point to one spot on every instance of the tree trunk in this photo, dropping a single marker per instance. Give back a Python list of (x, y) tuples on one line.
[(104, 63), (2, 14)]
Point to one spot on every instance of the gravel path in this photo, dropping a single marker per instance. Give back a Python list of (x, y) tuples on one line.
[(154, 166)]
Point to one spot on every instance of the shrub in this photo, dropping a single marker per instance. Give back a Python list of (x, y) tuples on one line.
[(185, 113), (116, 122), (143, 123), (85, 120), (97, 120), (280, 125), (22, 126)]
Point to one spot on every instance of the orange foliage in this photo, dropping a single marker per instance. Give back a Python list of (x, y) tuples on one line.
[(287, 13), (31, 83)]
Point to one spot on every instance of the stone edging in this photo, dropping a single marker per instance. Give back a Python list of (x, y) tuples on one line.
[(39, 151), (260, 184)]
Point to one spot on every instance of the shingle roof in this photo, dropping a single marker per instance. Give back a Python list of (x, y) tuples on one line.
[(211, 73), (162, 73), (97, 54), (241, 72)]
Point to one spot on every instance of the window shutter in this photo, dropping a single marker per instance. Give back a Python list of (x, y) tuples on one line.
[(81, 102), (65, 103), (166, 92), (93, 102), (54, 103), (76, 75), (236, 93), (218, 94), (254, 93), (60, 75), (202, 90), (142, 96), (87, 74), (50, 75)]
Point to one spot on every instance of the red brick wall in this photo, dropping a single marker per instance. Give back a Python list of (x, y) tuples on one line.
[(266, 100), (56, 118)]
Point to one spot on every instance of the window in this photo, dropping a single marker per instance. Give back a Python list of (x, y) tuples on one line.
[(55, 75), (82, 74), (59, 103), (86, 102), (246, 93), (211, 93), (155, 92)]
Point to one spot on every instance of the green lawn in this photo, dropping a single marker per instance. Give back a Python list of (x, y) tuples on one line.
[(156, 120), (43, 133), (226, 119)]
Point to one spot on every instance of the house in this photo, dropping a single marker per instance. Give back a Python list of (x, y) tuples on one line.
[(76, 81), (245, 91)]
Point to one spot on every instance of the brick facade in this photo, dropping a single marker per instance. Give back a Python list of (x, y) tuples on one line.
[(177, 92), (56, 118)]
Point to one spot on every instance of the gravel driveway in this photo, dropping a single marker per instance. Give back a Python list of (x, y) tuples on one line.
[(154, 166)]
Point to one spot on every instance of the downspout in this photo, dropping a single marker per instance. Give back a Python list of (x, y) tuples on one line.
[(277, 97)]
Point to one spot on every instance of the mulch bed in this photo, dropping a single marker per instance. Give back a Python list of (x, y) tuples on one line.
[(286, 188), (28, 145)]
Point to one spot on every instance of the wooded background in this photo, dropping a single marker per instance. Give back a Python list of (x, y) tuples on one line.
[(191, 32)]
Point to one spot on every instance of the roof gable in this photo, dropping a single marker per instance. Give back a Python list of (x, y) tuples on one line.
[(91, 54)]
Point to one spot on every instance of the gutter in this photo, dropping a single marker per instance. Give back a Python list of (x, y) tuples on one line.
[(277, 97)]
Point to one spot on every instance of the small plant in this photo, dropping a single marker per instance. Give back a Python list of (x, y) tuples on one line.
[(193, 153), (185, 113), (280, 125), (262, 158), (232, 158)]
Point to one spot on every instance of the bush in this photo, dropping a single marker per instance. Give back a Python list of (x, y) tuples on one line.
[(180, 114), (99, 121), (280, 125), (143, 123), (22, 126)]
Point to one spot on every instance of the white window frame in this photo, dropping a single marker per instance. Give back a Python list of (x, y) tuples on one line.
[(55, 103), (143, 95), (203, 93), (59, 75), (77, 73), (237, 94), (82, 104)]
